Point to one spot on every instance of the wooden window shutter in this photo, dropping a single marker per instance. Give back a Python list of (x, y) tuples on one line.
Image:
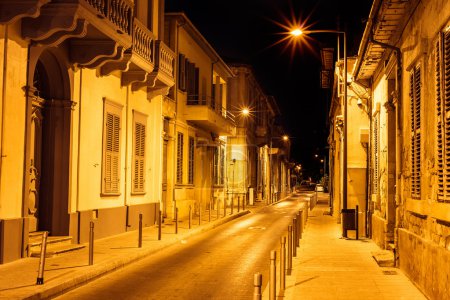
[(180, 146), (445, 94), (139, 154), (376, 154), (191, 160), (439, 125), (415, 99), (111, 172)]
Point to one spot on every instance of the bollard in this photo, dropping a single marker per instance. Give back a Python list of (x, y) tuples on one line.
[(91, 243), (283, 263), (224, 207), (209, 212), (239, 203), (232, 204), (289, 248), (176, 220), (297, 241), (140, 231), (199, 215), (273, 275), (294, 237), (218, 209), (301, 224), (159, 225), (40, 278), (257, 282), (244, 199), (190, 216)]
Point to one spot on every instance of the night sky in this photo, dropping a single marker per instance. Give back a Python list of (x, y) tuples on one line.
[(246, 31)]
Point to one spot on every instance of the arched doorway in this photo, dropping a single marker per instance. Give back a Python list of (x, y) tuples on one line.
[(49, 146)]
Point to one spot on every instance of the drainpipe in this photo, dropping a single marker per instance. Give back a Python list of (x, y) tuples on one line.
[(175, 122), (2, 126), (79, 157)]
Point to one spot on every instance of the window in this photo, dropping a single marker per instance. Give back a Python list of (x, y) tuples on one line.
[(180, 145), (139, 132), (219, 164), (191, 160), (111, 148), (442, 64), (415, 100)]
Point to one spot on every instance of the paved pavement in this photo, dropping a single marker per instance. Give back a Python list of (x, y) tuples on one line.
[(326, 266), (69, 270), (330, 267)]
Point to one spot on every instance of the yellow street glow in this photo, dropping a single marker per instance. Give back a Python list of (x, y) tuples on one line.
[(296, 32), (285, 137), (245, 111)]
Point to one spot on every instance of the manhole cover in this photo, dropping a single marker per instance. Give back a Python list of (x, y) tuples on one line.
[(389, 272)]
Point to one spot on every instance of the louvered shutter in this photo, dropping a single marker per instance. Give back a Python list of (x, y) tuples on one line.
[(439, 125), (415, 97), (182, 72), (446, 99), (376, 160), (112, 155), (139, 158), (180, 146), (191, 160)]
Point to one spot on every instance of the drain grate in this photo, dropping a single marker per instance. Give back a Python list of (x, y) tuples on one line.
[(389, 272)]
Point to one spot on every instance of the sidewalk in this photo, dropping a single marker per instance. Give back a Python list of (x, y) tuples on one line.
[(330, 267), (69, 270)]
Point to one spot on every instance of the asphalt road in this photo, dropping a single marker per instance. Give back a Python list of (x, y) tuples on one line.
[(218, 264)]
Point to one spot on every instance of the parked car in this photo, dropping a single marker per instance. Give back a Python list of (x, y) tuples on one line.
[(307, 185)]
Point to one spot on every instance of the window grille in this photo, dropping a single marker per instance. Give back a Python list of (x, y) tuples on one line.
[(191, 160), (180, 146)]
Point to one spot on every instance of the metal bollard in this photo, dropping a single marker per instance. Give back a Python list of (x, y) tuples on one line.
[(159, 225), (244, 199), (224, 207), (257, 282), (176, 220), (218, 209), (283, 263), (40, 278), (294, 237), (239, 203), (190, 216), (273, 275), (140, 231), (232, 205), (301, 224), (91, 243), (289, 248), (297, 241)]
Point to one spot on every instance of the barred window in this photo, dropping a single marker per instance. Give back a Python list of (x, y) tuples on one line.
[(415, 100), (180, 146), (111, 148), (191, 160), (442, 64), (219, 165), (139, 134)]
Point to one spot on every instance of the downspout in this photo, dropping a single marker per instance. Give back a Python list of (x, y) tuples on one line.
[(127, 117), (2, 132), (79, 157), (174, 169), (399, 141)]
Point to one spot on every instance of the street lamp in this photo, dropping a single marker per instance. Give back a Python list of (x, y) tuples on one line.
[(297, 32)]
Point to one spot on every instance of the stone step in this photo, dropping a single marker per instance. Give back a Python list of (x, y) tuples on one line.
[(55, 244), (384, 258)]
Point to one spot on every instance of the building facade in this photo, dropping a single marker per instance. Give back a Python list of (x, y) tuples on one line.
[(403, 65), (81, 118)]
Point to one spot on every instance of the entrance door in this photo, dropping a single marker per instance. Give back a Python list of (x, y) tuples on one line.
[(49, 145)]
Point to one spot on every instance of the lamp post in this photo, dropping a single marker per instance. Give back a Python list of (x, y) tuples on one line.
[(298, 32)]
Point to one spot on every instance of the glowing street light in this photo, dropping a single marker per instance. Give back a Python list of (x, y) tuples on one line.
[(297, 32), (245, 111)]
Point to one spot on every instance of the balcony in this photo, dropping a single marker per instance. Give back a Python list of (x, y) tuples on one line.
[(13, 10), (163, 76), (96, 31), (203, 112)]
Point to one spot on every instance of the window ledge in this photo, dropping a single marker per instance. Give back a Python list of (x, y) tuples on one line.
[(110, 194), (437, 210)]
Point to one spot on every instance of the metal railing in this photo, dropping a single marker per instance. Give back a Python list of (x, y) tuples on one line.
[(209, 101)]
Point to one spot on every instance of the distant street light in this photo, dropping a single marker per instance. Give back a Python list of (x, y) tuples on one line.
[(297, 32)]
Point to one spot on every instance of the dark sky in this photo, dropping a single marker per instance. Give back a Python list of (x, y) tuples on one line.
[(246, 31)]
